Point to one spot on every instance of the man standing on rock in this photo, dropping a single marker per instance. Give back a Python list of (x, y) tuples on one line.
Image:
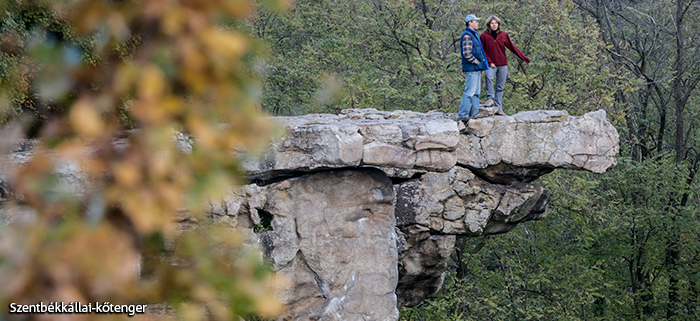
[(473, 62)]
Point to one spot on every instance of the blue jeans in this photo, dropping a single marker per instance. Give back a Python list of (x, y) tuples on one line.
[(501, 73), (470, 98)]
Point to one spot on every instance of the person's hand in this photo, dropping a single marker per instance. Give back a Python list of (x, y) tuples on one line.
[(492, 65)]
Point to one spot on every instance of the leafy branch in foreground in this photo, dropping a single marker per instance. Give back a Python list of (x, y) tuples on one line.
[(165, 67)]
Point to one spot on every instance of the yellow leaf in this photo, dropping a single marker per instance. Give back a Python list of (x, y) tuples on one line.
[(195, 80), (191, 312), (152, 83), (141, 207), (229, 43), (127, 174), (191, 57), (268, 306), (171, 195), (203, 292), (172, 105), (218, 310), (85, 119), (173, 21), (204, 131), (123, 81), (241, 8)]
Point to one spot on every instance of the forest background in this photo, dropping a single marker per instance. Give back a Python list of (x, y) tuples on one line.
[(623, 245)]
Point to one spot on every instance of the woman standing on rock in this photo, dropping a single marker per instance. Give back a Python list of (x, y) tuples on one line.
[(495, 42)]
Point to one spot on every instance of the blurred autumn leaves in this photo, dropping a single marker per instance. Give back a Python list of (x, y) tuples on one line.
[(110, 84)]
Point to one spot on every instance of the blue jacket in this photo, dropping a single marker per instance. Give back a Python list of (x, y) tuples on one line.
[(477, 52)]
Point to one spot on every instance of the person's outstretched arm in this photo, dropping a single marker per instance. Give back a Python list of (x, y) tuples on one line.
[(509, 44)]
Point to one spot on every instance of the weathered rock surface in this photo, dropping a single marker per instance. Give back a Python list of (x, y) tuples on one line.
[(449, 180), (501, 149), (400, 139), (364, 207), (422, 267), (459, 203), (332, 235), (431, 210), (506, 149)]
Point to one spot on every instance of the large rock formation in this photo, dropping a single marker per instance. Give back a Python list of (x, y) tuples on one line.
[(365, 206), (360, 211), (332, 235), (527, 143)]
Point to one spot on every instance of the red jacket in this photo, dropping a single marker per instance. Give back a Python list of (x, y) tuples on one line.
[(495, 49)]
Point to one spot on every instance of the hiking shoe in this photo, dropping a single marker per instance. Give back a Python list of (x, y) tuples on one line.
[(500, 113), (464, 120), (489, 103)]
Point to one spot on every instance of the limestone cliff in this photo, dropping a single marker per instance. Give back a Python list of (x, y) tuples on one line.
[(365, 206)]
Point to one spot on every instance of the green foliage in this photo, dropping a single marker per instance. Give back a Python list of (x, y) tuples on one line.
[(389, 55), (35, 36), (568, 69), (623, 245), (650, 223), (539, 271), (601, 254), (265, 222), (620, 245)]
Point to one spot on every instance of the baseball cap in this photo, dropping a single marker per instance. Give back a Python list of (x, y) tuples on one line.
[(470, 18)]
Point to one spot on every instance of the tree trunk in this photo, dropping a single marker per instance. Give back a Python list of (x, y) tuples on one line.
[(672, 257), (460, 249), (678, 83)]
